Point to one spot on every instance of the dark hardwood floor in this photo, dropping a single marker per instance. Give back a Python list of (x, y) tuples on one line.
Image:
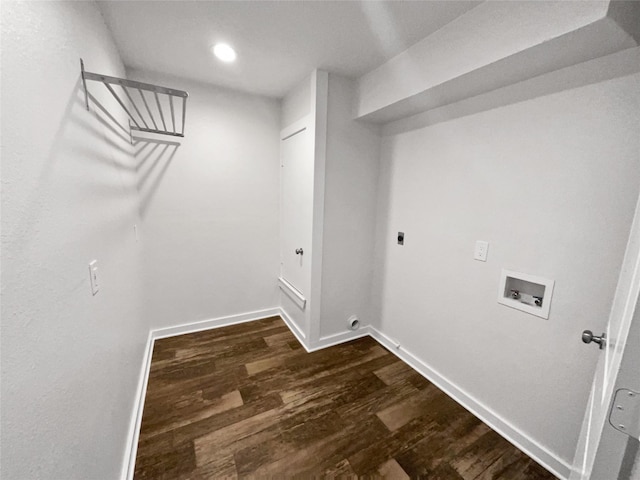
[(248, 401)]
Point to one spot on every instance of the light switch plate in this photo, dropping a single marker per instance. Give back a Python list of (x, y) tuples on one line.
[(480, 253), (93, 276)]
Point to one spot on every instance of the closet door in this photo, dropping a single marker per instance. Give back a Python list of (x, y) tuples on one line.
[(296, 207)]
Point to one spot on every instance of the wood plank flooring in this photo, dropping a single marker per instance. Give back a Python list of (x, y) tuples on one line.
[(247, 401)]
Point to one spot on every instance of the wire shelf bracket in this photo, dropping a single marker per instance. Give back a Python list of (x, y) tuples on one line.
[(160, 98)]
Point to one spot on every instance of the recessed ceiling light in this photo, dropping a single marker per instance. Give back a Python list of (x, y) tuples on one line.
[(224, 52)]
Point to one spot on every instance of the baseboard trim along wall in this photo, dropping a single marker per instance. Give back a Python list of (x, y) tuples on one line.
[(136, 417), (293, 293), (338, 338), (323, 342), (521, 440), (215, 323), (295, 329)]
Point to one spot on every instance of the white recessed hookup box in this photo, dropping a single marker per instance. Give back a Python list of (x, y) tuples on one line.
[(529, 293)]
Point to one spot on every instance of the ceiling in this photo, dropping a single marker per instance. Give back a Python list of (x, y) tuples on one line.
[(278, 42)]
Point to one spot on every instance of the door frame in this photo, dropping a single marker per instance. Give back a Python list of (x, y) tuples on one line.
[(286, 134), (300, 319), (583, 462), (316, 123)]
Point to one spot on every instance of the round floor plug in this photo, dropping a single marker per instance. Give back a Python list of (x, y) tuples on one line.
[(353, 322)]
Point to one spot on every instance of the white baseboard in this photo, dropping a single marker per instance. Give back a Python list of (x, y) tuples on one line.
[(215, 323), (338, 338), (292, 292), (324, 342), (136, 418), (521, 440), (295, 329), (128, 467)]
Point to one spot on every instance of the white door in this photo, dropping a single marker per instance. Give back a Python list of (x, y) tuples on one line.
[(297, 207), (622, 312)]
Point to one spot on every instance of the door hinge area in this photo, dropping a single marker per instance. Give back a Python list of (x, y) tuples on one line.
[(625, 412)]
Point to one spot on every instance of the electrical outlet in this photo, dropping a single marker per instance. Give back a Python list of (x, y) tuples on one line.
[(93, 276), (482, 248)]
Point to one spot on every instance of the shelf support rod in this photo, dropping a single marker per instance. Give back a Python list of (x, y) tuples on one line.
[(144, 100), (184, 112), (163, 132), (126, 91), (160, 110), (173, 117), (115, 95), (84, 85)]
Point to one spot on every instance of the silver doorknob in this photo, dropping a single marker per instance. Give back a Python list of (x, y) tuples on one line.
[(588, 337), (299, 251)]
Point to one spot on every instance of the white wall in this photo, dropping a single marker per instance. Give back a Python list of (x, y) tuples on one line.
[(350, 154), (70, 361), (209, 208), (351, 176), (486, 34), (296, 104), (552, 184)]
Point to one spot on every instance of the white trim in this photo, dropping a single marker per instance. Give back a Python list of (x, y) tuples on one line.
[(324, 342), (293, 293), (295, 127), (295, 329), (520, 439), (131, 448), (201, 325), (305, 123), (338, 338), (318, 126), (625, 302)]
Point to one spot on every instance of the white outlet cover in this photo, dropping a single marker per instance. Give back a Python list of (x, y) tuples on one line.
[(480, 253)]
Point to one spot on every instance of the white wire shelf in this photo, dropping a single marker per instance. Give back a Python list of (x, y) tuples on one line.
[(149, 98)]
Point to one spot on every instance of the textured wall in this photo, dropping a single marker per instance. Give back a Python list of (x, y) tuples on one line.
[(70, 361), (485, 35), (209, 208), (351, 177), (552, 184), (296, 104)]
